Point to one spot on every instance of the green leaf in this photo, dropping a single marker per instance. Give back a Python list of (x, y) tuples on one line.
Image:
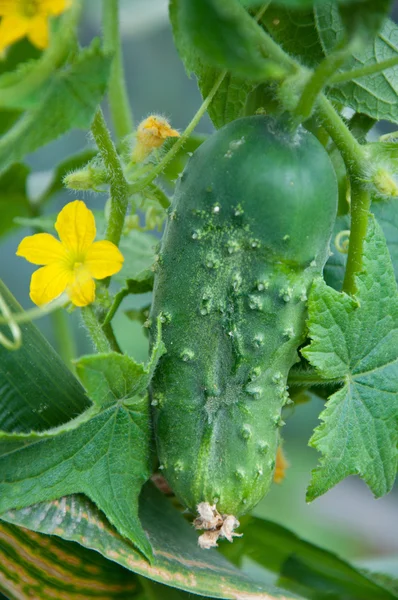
[(111, 377), (14, 201), (138, 249), (70, 101), (374, 95), (303, 567), (355, 341), (386, 213), (37, 390), (222, 34), (104, 453), (296, 32), (105, 456), (33, 565), (177, 561), (230, 100)]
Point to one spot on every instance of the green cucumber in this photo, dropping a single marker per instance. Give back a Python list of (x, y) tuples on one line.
[(248, 230)]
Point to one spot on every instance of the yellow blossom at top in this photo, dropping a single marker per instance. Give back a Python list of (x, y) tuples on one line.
[(29, 18), (151, 133), (72, 263)]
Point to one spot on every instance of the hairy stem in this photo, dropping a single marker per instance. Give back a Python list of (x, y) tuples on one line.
[(350, 149), (360, 204), (118, 185), (363, 71), (95, 331), (318, 81), (117, 95)]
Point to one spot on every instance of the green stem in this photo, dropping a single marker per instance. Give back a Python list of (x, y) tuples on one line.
[(120, 296), (49, 61), (141, 184), (363, 71), (64, 337), (118, 185), (97, 334), (351, 151), (360, 204), (353, 155), (260, 13), (117, 95), (318, 81)]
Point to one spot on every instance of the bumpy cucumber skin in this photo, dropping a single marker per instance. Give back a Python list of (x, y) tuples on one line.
[(248, 229)]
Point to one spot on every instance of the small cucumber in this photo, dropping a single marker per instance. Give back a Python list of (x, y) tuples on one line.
[(248, 230)]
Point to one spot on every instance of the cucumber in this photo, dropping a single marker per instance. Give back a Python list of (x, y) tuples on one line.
[(247, 232)]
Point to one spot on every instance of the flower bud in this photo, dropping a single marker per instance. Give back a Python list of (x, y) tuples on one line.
[(151, 133), (89, 178)]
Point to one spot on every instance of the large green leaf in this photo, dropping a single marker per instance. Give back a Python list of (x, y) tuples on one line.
[(70, 101), (104, 453), (222, 34), (303, 567), (296, 32), (356, 341), (14, 201), (373, 95), (229, 101), (37, 566), (37, 390), (178, 561)]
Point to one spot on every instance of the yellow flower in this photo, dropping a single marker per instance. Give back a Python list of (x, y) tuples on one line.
[(73, 263), (151, 133), (29, 18)]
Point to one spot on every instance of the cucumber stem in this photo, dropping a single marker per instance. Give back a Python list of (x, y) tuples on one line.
[(353, 155), (118, 185), (360, 204)]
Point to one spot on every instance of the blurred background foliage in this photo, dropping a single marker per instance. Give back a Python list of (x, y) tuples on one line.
[(347, 519)]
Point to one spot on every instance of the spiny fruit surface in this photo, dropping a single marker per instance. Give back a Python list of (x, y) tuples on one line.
[(248, 230)]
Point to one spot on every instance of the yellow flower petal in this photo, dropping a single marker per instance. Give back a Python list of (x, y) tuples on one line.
[(55, 7), (7, 7), (41, 249), (48, 283), (12, 29), (81, 289), (103, 259), (76, 227), (38, 32)]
